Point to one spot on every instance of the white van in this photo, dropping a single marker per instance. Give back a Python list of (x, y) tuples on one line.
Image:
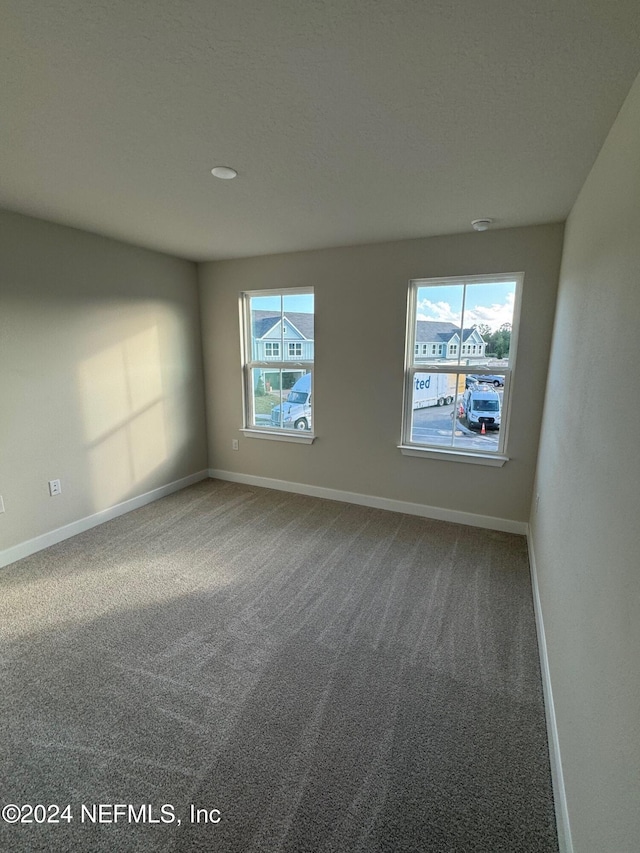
[(295, 411), (481, 405)]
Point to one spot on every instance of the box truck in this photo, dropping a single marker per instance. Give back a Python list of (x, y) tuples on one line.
[(433, 389)]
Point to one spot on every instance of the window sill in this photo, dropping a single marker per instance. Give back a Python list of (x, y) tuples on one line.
[(495, 460), (295, 437)]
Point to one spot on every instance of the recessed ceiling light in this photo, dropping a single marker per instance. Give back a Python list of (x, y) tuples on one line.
[(481, 224), (224, 172)]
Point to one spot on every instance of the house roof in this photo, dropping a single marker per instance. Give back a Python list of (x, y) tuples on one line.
[(429, 331), (264, 321)]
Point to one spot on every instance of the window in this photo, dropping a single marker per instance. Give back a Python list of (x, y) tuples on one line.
[(278, 393), (461, 406)]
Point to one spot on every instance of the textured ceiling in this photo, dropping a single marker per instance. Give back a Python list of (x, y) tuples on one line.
[(349, 121)]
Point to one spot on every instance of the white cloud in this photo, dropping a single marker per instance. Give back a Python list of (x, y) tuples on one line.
[(493, 315), (437, 311)]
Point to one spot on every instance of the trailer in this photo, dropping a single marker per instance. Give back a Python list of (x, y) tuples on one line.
[(433, 389)]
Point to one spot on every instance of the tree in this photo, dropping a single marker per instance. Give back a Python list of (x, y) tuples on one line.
[(498, 342), (484, 329), (501, 341), (260, 389)]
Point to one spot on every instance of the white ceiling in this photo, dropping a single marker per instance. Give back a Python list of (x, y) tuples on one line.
[(349, 121)]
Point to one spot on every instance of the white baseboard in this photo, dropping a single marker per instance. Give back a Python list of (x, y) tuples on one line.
[(487, 521), (31, 546), (559, 793)]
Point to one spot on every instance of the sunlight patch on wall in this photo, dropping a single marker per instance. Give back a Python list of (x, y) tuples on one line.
[(103, 391), (124, 416)]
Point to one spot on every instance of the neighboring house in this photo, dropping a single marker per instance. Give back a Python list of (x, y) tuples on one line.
[(439, 340), (271, 343), (434, 339)]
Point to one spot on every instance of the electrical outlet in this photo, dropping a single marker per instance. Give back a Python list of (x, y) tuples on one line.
[(54, 487), (1, 504), (235, 444)]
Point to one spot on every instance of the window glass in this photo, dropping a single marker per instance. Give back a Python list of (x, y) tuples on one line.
[(279, 328), (458, 399)]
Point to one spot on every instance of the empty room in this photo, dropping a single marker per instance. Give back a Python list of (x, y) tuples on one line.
[(318, 354)]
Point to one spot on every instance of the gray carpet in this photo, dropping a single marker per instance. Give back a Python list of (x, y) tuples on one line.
[(331, 678)]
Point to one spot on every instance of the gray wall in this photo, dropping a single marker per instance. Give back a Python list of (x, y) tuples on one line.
[(585, 532), (100, 374), (361, 296)]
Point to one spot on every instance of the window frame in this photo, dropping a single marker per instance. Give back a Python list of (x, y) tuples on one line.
[(411, 367), (249, 428)]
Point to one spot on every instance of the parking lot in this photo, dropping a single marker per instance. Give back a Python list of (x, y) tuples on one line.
[(444, 426)]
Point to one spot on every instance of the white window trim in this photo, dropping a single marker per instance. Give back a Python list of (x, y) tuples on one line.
[(268, 433), (409, 448), (495, 459), (279, 435)]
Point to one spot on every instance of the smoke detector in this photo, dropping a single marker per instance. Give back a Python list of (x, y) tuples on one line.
[(481, 224)]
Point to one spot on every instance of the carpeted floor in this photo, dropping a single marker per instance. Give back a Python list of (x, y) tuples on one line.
[(331, 678)]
